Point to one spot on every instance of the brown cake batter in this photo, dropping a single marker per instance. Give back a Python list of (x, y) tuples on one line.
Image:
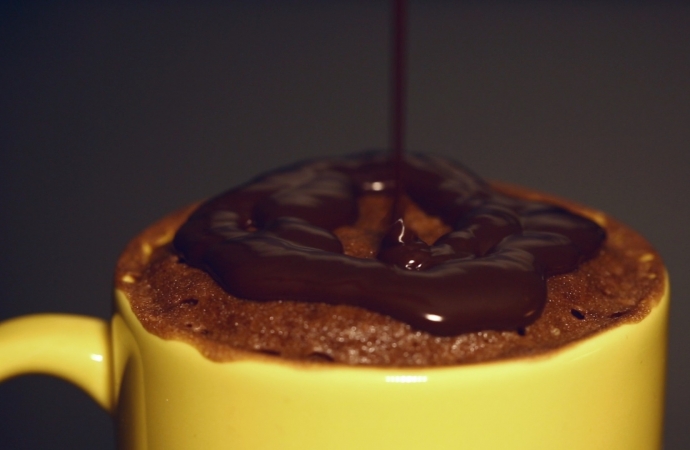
[(176, 301)]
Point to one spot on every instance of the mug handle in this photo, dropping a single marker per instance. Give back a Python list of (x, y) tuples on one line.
[(75, 348)]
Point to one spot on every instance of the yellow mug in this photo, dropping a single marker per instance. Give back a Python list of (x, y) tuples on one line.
[(602, 392), (605, 392)]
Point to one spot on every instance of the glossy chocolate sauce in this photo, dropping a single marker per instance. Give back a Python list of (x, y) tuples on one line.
[(272, 239)]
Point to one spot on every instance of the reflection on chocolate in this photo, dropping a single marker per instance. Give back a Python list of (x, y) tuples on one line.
[(272, 239)]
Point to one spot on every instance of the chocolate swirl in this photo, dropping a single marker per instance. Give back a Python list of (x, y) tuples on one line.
[(272, 239)]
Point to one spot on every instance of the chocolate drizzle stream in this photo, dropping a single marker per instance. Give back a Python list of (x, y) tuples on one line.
[(398, 97), (272, 239)]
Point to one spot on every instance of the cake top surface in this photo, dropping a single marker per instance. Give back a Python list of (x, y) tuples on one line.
[(172, 299)]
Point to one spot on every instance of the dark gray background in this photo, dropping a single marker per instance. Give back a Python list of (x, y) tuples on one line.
[(112, 115)]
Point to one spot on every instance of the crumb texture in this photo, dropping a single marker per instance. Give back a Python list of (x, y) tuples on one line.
[(175, 301)]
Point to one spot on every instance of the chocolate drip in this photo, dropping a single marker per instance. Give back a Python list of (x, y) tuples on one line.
[(272, 239)]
